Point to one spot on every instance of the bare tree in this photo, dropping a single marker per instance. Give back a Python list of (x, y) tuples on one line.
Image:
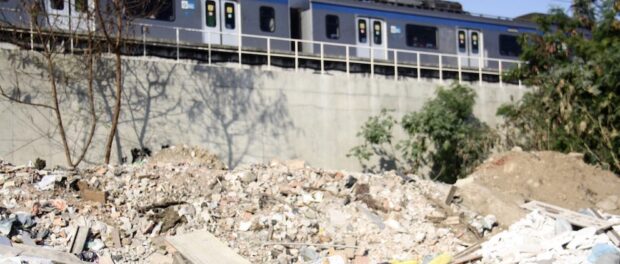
[(115, 18), (50, 33)]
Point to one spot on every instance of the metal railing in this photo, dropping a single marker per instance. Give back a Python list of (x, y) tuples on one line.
[(343, 53)]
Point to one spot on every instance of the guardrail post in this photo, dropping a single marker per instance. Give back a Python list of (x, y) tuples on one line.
[(71, 43), (395, 65), (501, 83), (418, 64), (177, 32), (31, 37), (322, 59), (440, 68), (239, 48), (296, 55), (480, 62), (519, 65), (209, 46), (348, 61), (458, 60), (269, 53), (143, 42), (372, 63)]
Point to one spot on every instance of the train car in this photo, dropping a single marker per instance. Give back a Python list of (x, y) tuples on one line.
[(379, 27)]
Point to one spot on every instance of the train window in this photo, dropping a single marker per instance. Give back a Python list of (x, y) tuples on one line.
[(509, 46), (81, 5), (378, 34), (211, 14), (332, 26), (362, 32), (421, 36), (462, 41), (57, 4), (151, 9), (229, 19), (475, 43), (267, 19)]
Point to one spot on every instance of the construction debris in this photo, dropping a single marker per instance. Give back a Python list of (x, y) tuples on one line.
[(168, 209), (203, 247), (550, 234), (284, 212)]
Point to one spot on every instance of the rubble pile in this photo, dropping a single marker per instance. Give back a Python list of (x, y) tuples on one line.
[(157, 209), (506, 180), (538, 238), (278, 213)]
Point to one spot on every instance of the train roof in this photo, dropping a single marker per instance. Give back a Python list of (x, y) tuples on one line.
[(417, 7)]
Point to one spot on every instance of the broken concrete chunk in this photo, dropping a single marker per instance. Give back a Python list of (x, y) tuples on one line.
[(78, 240), (6, 225), (203, 247), (309, 254), (4, 241)]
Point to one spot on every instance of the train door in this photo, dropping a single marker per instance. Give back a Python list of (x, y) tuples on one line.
[(362, 41), (231, 22), (469, 47), (379, 39), (57, 13), (211, 22), (371, 34)]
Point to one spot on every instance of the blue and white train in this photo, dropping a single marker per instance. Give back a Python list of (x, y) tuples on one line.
[(407, 31)]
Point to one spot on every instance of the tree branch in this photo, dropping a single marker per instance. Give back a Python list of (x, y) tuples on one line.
[(22, 102)]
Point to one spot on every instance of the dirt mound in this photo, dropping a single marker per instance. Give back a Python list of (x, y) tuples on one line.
[(188, 155), (508, 179)]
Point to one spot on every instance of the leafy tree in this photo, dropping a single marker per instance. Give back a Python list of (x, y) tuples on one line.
[(574, 73), (444, 135)]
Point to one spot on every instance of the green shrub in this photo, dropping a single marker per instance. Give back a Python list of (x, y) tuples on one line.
[(573, 69), (444, 135)]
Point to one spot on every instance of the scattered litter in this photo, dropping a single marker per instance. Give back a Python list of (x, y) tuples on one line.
[(46, 183)]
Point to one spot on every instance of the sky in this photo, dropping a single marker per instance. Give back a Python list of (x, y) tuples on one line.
[(512, 8)]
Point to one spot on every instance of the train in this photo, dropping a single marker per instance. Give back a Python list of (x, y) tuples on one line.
[(412, 32)]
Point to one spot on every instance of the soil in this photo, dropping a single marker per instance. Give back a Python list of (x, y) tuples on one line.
[(187, 155), (507, 180)]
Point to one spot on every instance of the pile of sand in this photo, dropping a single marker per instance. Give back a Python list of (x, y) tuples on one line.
[(501, 184), (188, 155)]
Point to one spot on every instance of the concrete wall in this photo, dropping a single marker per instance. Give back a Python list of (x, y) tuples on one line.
[(243, 115)]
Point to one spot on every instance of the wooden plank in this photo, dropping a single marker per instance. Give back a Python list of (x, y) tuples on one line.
[(201, 247), (572, 217), (39, 252), (79, 240), (450, 195), (468, 251), (116, 238), (469, 258), (613, 235)]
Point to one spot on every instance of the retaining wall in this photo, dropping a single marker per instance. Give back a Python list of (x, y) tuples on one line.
[(243, 114)]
